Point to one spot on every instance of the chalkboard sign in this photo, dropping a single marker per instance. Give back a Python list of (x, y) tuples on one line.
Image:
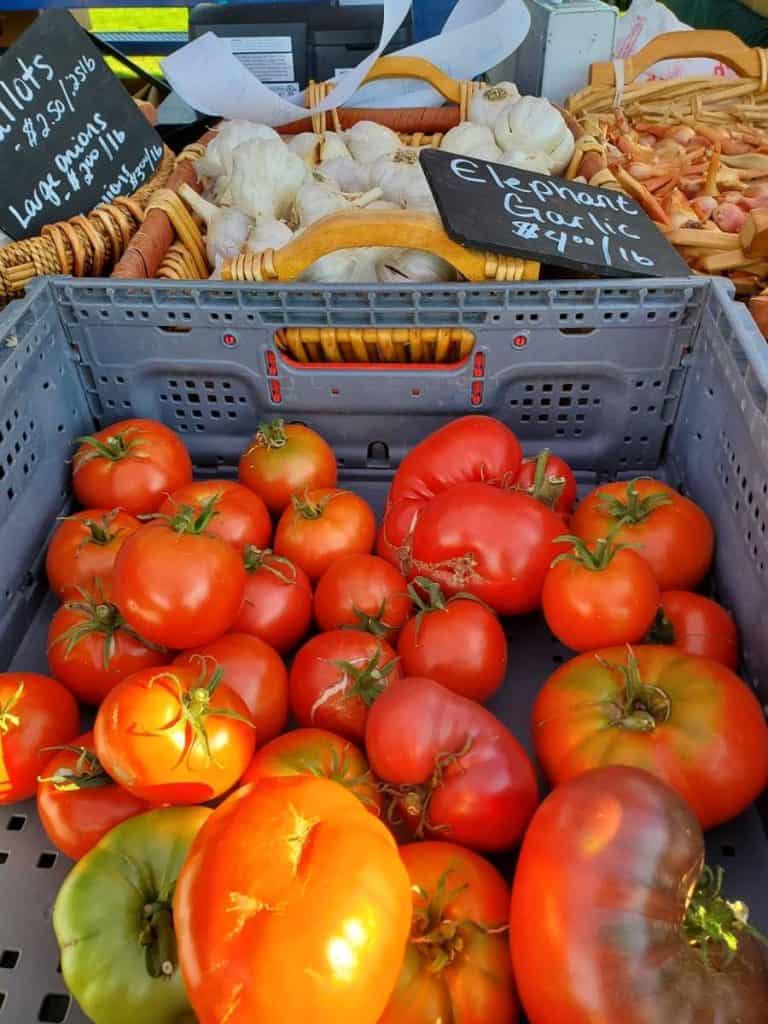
[(536, 216), (70, 135)]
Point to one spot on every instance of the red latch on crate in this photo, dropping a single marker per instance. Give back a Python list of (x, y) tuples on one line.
[(478, 365), (477, 392), (229, 340), (271, 364), (520, 340), (275, 391)]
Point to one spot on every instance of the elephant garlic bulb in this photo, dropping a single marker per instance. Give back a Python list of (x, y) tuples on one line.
[(226, 227), (401, 178), (486, 105), (217, 159), (266, 176), (368, 141), (470, 139), (332, 146), (267, 234), (350, 175), (307, 146), (526, 161), (315, 199), (533, 125), (353, 266), (400, 265)]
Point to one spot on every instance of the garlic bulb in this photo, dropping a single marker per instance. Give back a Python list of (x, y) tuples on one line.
[(266, 176), (268, 234), (356, 266), (533, 125), (527, 161), (217, 158), (383, 204), (350, 175), (368, 141), (401, 178), (315, 199), (560, 157), (470, 139), (307, 146), (227, 227), (486, 105), (332, 146), (413, 265)]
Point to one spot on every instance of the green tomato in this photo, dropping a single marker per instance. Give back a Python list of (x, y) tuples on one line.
[(114, 924)]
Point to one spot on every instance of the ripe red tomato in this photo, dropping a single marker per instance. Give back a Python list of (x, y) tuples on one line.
[(178, 585), (84, 548), (77, 801), (255, 671), (671, 532), (696, 625), (237, 514), (292, 905), (549, 479), (362, 591), (494, 544), (615, 918), (687, 719), (322, 754), (277, 604), (335, 678), (323, 525), (174, 735), (456, 772), (91, 649), (473, 449), (459, 643), (132, 465), (35, 713), (599, 597), (286, 459), (456, 965)]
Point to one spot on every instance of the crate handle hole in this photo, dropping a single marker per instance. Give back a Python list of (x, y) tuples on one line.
[(54, 1008), (174, 329), (578, 330)]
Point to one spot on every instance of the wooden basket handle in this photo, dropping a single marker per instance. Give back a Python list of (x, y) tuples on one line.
[(723, 46), (416, 67), (406, 229)]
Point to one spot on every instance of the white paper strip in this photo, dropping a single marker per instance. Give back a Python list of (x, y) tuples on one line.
[(477, 35)]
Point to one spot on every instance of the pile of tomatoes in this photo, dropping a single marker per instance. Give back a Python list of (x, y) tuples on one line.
[(344, 878)]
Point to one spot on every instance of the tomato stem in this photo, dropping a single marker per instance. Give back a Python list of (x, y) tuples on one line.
[(596, 560), (643, 706), (270, 435), (546, 489), (87, 773), (100, 530), (8, 719), (414, 800), (255, 559), (158, 937), (189, 518), (368, 680), (635, 509), (113, 448), (311, 509), (713, 924)]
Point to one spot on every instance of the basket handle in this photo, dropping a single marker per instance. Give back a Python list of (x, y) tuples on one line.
[(404, 229), (416, 67), (723, 46)]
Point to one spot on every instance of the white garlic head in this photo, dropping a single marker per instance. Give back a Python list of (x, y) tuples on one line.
[(468, 139), (368, 141), (268, 234), (486, 105), (350, 175), (217, 159), (401, 178), (533, 125), (266, 176), (401, 265)]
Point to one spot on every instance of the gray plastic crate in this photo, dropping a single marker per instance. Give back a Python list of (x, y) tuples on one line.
[(642, 377)]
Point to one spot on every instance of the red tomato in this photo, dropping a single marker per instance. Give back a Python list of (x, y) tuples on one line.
[(456, 964), (292, 906), (459, 643), (237, 514), (174, 735), (696, 625), (277, 605), (132, 465), (456, 772), (549, 479), (286, 459), (614, 917), (599, 598), (321, 526), (178, 585), (687, 719), (322, 754), (77, 801), (362, 591), (255, 671), (336, 677), (84, 548), (671, 533), (473, 449), (35, 713), (91, 649), (494, 544)]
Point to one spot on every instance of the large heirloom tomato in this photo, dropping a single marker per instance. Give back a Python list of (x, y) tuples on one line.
[(457, 964), (114, 924), (174, 735), (321, 526), (257, 674), (549, 479), (293, 907), (687, 719), (277, 603), (671, 532), (319, 753), (35, 713), (238, 515), (84, 548), (453, 769), (77, 801), (494, 544), (614, 919), (286, 459), (473, 449), (362, 591), (696, 625), (132, 465), (335, 678)]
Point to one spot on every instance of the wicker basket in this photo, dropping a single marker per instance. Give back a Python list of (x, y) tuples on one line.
[(170, 243)]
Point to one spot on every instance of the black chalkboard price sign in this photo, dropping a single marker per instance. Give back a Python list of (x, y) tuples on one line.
[(70, 135), (536, 216)]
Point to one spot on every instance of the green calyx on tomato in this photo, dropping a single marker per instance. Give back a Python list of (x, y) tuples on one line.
[(158, 937), (368, 680), (432, 598), (712, 923), (271, 435), (311, 509), (373, 624), (255, 559), (87, 773), (188, 518), (114, 448), (100, 530), (546, 489), (642, 706), (414, 800), (597, 560), (339, 771), (635, 509), (9, 720)]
